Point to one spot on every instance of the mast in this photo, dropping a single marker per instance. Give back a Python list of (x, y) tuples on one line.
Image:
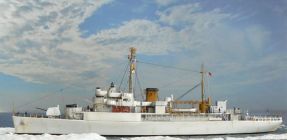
[(202, 105), (132, 62), (202, 83)]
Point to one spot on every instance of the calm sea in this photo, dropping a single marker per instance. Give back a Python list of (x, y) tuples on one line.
[(6, 120)]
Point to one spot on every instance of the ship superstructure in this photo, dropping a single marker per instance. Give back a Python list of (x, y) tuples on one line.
[(116, 112)]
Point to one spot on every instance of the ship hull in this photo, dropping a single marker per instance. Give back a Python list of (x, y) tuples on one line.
[(31, 125)]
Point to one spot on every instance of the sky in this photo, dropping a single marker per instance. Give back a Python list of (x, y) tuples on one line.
[(58, 51)]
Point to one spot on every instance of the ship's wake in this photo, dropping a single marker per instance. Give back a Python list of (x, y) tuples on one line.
[(8, 134)]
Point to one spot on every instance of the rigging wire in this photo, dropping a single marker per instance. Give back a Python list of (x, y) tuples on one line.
[(171, 67), (48, 95), (182, 69), (35, 100), (174, 81), (119, 72), (125, 86), (140, 87), (207, 85), (188, 91), (134, 86), (126, 69)]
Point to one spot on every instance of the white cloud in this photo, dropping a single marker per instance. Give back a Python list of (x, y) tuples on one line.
[(165, 2), (209, 35), (41, 42), (255, 34), (35, 34), (150, 37), (192, 14)]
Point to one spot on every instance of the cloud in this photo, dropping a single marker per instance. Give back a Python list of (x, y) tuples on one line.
[(209, 36), (35, 34), (162, 36), (150, 37), (41, 42), (165, 2), (192, 14)]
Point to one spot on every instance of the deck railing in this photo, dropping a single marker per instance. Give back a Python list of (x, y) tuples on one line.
[(176, 117), (34, 115), (262, 118), (181, 117), (204, 117)]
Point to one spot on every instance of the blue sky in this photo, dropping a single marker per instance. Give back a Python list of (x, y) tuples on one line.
[(59, 51)]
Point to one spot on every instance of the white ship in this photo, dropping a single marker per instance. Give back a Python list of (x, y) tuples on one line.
[(114, 112)]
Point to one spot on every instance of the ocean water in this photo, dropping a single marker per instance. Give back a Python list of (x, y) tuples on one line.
[(7, 133)]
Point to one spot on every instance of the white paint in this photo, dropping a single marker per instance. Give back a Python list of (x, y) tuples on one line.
[(146, 103), (160, 109), (73, 113), (222, 105), (136, 127), (113, 117), (219, 108), (184, 110), (100, 92), (53, 111)]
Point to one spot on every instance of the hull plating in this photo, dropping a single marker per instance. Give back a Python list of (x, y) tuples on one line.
[(65, 126)]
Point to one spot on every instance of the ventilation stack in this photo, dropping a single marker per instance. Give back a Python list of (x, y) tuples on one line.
[(151, 94)]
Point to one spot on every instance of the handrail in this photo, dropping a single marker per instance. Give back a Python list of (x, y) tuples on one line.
[(34, 115), (185, 117), (263, 118)]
